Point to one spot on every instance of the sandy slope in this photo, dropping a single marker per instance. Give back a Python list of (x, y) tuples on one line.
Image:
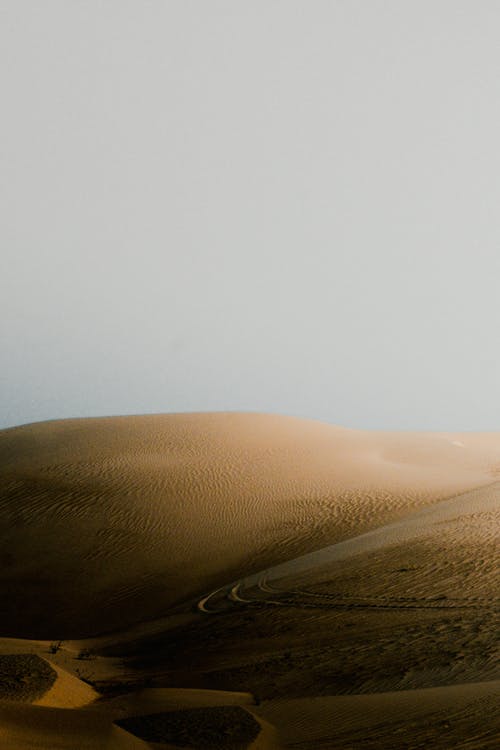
[(27, 727), (72, 715), (67, 692), (459, 716), (416, 612), (107, 522)]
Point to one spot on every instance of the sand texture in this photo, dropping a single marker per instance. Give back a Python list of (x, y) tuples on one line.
[(116, 520), (332, 588)]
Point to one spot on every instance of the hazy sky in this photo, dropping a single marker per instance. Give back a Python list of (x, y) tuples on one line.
[(258, 205)]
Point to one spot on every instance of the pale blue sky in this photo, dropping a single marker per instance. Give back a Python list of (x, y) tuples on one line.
[(261, 205)]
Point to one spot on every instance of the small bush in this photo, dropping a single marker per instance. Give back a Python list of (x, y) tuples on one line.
[(85, 654)]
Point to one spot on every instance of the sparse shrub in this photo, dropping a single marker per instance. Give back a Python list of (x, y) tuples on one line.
[(85, 654)]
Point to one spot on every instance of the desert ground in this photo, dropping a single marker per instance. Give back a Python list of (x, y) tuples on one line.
[(247, 581)]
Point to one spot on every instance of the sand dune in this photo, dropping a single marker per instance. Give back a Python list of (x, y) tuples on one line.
[(354, 579), (88, 720), (27, 727), (67, 692), (439, 718), (416, 612), (110, 521)]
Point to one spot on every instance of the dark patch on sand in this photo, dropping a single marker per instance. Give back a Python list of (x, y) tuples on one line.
[(24, 677), (224, 727)]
